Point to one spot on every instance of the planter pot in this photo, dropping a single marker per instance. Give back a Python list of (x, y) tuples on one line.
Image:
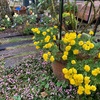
[(20, 10), (57, 67)]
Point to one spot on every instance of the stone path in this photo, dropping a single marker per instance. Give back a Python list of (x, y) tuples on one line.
[(14, 47)]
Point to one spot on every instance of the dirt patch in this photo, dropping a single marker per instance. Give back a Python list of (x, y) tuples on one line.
[(18, 29)]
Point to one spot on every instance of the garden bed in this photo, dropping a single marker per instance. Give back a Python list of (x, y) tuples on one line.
[(33, 80)]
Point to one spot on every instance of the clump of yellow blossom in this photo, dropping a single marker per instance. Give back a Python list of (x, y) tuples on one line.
[(52, 59), (47, 38), (91, 32), (45, 56), (87, 68), (75, 51), (44, 33), (98, 55), (82, 82), (79, 35), (81, 43), (73, 62), (96, 71), (35, 30)]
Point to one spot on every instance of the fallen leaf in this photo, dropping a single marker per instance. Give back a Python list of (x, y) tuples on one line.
[(44, 94)]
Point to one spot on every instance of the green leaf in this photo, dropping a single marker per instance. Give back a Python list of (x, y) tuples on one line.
[(17, 97), (59, 84), (47, 85)]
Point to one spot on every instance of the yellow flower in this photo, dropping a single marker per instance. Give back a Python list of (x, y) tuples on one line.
[(93, 88), (81, 43), (78, 79), (72, 35), (64, 57), (87, 89), (48, 30), (79, 35), (88, 42), (54, 37), (72, 42), (91, 32), (94, 73), (65, 70), (84, 45), (73, 62), (72, 81), (87, 68), (98, 55), (49, 53), (45, 56), (55, 26), (74, 70), (65, 40), (36, 29), (37, 47), (35, 43), (80, 90), (86, 48), (44, 33), (66, 53), (52, 59), (47, 38), (68, 48), (76, 51), (49, 45), (38, 32), (91, 45), (70, 71), (66, 76), (86, 80), (33, 30), (98, 70)]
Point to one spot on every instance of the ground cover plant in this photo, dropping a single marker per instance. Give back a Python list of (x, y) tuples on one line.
[(33, 79)]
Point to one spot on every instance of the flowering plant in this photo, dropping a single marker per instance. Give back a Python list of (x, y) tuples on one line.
[(81, 54), (18, 19), (70, 21), (6, 22)]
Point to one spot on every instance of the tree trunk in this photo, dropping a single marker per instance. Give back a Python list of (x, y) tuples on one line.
[(4, 8)]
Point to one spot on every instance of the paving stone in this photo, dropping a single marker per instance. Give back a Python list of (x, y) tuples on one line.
[(4, 46), (12, 62), (14, 52)]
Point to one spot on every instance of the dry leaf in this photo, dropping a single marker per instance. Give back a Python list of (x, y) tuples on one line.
[(44, 94)]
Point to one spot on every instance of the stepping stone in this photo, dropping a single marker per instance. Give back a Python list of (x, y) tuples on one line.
[(12, 62), (16, 51), (12, 57), (4, 46)]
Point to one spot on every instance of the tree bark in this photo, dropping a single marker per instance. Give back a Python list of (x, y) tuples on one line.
[(4, 8)]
